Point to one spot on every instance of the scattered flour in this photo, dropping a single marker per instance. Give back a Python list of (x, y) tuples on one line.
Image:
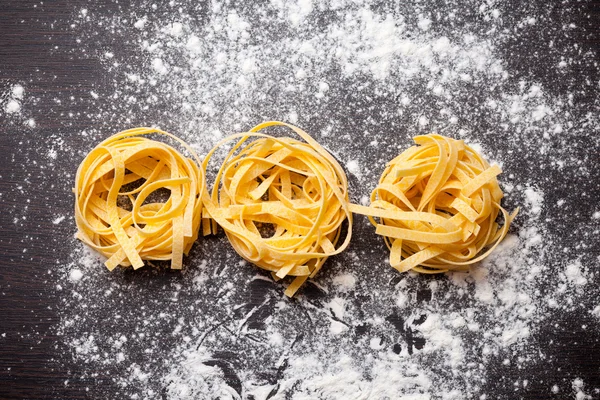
[(13, 106), (17, 92), (578, 387), (75, 275), (353, 167), (344, 282), (534, 199), (140, 23), (574, 274), (220, 328)]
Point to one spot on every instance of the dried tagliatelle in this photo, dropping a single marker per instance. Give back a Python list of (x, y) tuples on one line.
[(437, 205), (281, 202), (139, 199)]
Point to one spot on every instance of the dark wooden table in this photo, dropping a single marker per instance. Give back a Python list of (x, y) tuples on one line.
[(34, 50)]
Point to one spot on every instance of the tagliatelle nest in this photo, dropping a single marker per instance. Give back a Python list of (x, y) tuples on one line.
[(281, 202), (117, 209), (437, 205)]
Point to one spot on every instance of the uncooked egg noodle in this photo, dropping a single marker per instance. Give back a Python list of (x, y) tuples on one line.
[(437, 205), (119, 210), (282, 203)]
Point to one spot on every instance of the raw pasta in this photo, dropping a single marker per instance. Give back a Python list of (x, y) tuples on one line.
[(118, 208), (282, 202), (437, 205)]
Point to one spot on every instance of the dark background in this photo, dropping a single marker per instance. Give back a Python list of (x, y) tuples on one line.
[(28, 307)]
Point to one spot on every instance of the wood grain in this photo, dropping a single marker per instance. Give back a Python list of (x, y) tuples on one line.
[(31, 35)]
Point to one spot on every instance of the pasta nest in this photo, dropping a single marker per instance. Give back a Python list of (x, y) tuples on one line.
[(281, 202), (138, 199), (437, 205)]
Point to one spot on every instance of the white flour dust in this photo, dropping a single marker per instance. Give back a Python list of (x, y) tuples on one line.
[(11, 104), (342, 70)]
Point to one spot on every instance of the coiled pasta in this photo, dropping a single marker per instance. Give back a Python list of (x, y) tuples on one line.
[(118, 208), (281, 202), (437, 205)]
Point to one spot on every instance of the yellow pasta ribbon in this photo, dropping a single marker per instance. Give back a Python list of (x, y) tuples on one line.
[(115, 209), (437, 205), (281, 202)]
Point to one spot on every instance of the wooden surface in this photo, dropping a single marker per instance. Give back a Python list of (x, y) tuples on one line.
[(28, 303)]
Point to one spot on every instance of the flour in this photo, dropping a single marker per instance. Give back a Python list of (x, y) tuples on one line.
[(221, 329), (13, 106), (140, 23), (337, 328), (18, 91), (574, 274), (75, 275), (344, 282), (578, 387), (353, 167), (534, 200)]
